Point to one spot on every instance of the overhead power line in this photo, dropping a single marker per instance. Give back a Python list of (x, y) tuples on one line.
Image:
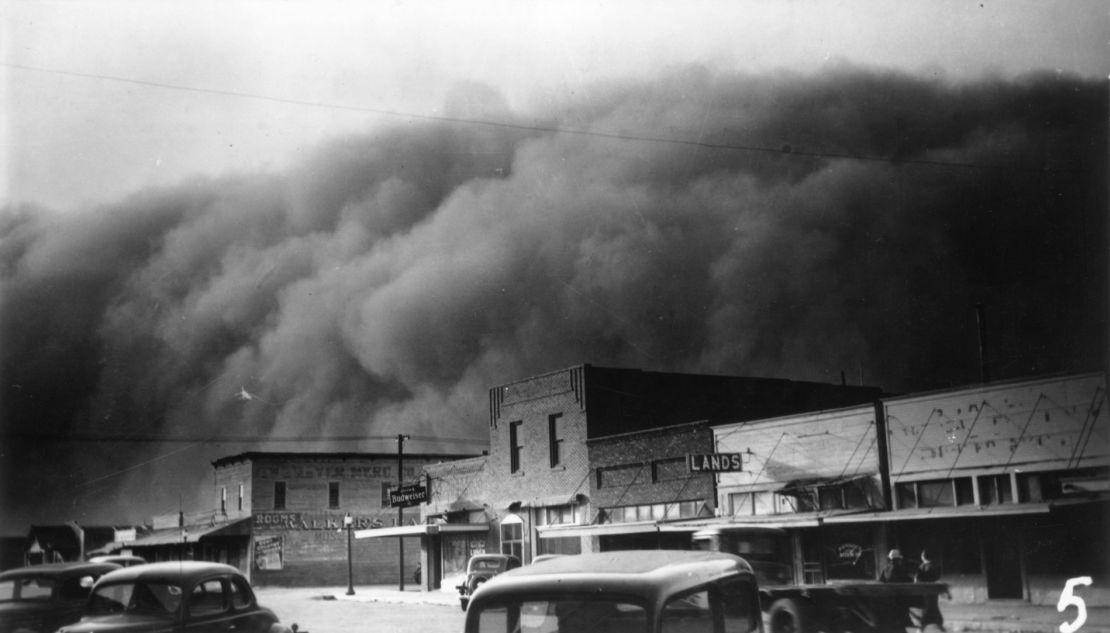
[(786, 149), (228, 439)]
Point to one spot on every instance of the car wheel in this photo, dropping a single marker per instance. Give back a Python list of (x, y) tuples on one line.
[(788, 615)]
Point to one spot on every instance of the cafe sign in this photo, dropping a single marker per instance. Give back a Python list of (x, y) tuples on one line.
[(715, 462)]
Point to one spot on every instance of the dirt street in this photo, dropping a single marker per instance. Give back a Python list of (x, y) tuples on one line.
[(313, 614)]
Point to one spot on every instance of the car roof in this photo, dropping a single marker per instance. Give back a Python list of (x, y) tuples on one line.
[(60, 570), (184, 572), (646, 575)]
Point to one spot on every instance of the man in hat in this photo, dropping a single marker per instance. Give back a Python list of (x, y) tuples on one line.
[(895, 569)]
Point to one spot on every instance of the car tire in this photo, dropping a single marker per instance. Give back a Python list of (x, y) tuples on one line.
[(789, 615)]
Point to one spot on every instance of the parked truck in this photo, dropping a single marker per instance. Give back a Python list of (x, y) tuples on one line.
[(791, 605)]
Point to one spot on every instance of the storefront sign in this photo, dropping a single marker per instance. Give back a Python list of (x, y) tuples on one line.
[(309, 521), (849, 552), (268, 552), (408, 496), (715, 463)]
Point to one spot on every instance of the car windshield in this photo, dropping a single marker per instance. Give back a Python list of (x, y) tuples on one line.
[(29, 588), (562, 615), (153, 598)]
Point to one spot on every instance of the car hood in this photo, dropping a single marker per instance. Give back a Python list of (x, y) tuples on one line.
[(120, 623)]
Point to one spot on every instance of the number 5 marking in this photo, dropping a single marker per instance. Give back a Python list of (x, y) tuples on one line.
[(1068, 599)]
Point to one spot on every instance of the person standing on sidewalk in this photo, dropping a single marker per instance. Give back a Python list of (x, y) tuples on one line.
[(895, 569), (930, 612)]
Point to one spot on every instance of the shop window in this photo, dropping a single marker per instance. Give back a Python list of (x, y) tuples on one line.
[(741, 503), (1029, 487), (830, 498), (333, 495), (764, 502), (905, 494), (965, 494), (995, 489), (512, 536), (386, 487), (555, 442), (279, 495), (515, 446), (560, 545), (556, 515), (935, 494)]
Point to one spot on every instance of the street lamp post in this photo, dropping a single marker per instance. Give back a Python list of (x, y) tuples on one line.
[(349, 523)]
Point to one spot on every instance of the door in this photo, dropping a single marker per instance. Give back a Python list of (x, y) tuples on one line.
[(1002, 553)]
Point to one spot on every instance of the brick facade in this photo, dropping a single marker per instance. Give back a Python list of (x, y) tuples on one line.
[(296, 504)]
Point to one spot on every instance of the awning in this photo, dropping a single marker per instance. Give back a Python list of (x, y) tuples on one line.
[(946, 512), (193, 533), (462, 505), (424, 529)]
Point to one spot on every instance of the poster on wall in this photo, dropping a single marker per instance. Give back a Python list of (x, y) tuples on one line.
[(268, 552)]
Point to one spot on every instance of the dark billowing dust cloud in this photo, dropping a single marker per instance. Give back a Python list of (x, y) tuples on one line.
[(387, 281)]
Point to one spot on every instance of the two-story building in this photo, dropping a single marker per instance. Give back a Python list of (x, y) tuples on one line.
[(538, 475)]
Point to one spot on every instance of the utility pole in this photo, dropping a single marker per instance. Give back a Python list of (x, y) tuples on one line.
[(401, 508), (349, 523)]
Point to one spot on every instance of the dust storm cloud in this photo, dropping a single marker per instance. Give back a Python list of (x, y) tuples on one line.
[(804, 226)]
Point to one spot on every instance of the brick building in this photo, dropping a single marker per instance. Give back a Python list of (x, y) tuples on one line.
[(293, 506), (537, 474), (642, 491)]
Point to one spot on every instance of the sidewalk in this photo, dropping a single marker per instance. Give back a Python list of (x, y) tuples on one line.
[(995, 617)]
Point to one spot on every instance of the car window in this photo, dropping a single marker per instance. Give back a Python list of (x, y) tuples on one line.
[(71, 589), (35, 588), (733, 600), (564, 616), (208, 598), (688, 613), (151, 598), (240, 594), (7, 590)]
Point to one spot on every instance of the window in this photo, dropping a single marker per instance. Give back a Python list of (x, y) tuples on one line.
[(240, 594), (995, 489), (730, 606), (333, 495), (514, 446), (223, 500), (240, 496), (512, 536), (208, 598), (935, 494), (555, 442), (386, 487), (279, 495), (555, 515)]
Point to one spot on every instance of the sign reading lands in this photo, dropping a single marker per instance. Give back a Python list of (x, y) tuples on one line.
[(715, 463), (408, 496)]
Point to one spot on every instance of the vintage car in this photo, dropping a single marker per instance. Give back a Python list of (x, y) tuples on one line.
[(175, 596), (647, 591), (479, 569), (42, 598)]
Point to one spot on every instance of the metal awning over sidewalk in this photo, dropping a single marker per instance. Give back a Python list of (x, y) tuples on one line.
[(192, 533), (424, 529)]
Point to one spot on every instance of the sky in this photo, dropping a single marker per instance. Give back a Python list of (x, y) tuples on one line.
[(232, 226)]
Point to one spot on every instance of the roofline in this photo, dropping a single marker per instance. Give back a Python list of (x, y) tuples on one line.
[(252, 455)]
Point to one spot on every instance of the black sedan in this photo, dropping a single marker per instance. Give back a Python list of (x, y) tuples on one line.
[(191, 596), (42, 598)]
